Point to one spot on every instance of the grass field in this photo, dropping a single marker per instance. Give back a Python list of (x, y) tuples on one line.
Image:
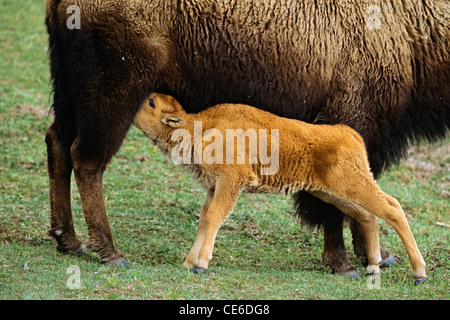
[(261, 251)]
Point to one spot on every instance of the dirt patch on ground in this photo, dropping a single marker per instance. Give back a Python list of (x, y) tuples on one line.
[(426, 160), (39, 112), (431, 155)]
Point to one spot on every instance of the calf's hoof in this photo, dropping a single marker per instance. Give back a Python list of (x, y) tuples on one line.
[(419, 281), (198, 270), (389, 261), (373, 269)]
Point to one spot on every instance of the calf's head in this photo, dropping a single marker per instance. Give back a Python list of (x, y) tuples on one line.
[(158, 115)]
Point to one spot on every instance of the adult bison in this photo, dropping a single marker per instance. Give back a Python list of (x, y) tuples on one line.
[(381, 68)]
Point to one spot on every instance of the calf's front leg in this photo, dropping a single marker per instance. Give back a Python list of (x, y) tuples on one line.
[(221, 202), (193, 253)]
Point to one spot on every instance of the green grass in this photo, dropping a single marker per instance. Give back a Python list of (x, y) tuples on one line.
[(261, 251)]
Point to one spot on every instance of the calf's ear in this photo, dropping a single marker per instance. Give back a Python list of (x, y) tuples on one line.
[(173, 121)]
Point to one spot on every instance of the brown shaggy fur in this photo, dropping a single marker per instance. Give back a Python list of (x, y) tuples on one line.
[(308, 60), (329, 162)]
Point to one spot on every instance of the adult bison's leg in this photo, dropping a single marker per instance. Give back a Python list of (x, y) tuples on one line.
[(334, 253), (315, 213), (60, 170), (103, 124), (89, 176)]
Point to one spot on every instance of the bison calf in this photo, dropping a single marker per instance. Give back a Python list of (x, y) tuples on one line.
[(329, 162)]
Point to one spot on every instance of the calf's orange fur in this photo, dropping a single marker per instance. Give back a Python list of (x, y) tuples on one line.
[(328, 161)]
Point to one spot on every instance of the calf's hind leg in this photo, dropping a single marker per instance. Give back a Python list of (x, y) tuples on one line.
[(394, 215), (370, 200), (359, 245), (368, 222)]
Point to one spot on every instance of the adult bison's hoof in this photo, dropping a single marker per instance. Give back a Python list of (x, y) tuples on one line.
[(119, 262), (389, 261), (420, 281), (124, 264), (198, 270), (352, 274)]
